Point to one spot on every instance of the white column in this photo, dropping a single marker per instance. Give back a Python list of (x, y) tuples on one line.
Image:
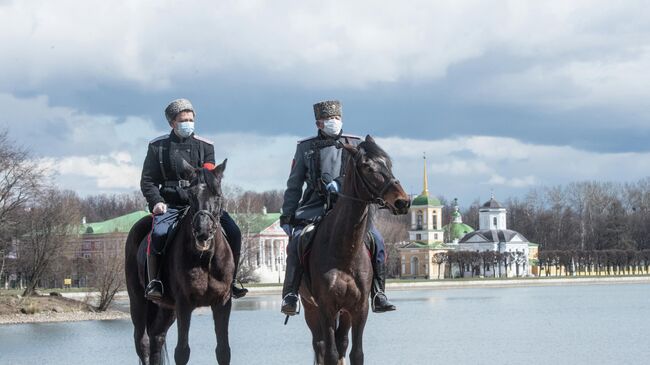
[(261, 252), (273, 263), (413, 221)]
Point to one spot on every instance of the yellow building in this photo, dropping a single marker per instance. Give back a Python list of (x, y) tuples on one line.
[(426, 237)]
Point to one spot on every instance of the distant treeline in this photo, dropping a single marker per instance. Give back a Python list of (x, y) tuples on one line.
[(603, 262), (579, 216)]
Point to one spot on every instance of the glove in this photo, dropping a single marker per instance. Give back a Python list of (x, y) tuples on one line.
[(287, 229), (332, 187), (160, 208)]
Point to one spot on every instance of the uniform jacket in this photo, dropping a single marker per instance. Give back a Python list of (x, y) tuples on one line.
[(317, 162), (163, 167)]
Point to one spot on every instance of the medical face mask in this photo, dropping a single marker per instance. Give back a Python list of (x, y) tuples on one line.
[(332, 127), (184, 129)]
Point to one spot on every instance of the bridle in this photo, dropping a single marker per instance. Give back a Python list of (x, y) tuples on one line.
[(214, 218), (376, 195), (207, 244)]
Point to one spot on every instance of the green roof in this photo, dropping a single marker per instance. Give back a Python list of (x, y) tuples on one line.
[(121, 224), (457, 230), (425, 200), (253, 223)]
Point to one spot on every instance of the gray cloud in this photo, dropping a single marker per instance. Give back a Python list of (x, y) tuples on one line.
[(84, 84)]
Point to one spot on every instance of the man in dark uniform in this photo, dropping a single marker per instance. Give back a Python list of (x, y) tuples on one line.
[(163, 184), (319, 163)]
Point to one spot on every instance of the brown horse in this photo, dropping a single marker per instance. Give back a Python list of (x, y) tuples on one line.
[(339, 267), (197, 270)]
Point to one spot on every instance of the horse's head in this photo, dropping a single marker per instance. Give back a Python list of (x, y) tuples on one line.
[(206, 200), (377, 184)]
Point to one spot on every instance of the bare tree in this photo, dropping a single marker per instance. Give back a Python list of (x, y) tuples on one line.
[(2, 265), (19, 181), (101, 207), (47, 226), (439, 259), (109, 276)]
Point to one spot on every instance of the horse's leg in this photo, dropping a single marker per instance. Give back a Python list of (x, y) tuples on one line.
[(221, 317), (342, 336), (311, 317), (358, 324), (184, 316), (158, 322), (139, 319), (328, 328)]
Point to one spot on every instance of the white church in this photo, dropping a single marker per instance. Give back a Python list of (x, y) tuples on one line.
[(493, 235)]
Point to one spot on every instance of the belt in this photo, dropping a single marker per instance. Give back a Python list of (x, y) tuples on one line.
[(176, 183)]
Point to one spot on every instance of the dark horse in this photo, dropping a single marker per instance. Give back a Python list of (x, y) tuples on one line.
[(339, 267), (197, 270)]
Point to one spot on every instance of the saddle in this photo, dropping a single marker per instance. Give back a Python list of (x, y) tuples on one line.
[(142, 248), (307, 238)]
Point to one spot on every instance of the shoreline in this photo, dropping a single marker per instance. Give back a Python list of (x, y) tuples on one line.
[(113, 314), (486, 283), (52, 317)]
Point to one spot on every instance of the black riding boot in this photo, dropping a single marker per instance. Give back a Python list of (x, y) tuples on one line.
[(237, 292), (154, 290), (291, 284), (380, 302)]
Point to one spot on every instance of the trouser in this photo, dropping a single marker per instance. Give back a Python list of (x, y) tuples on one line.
[(163, 222), (380, 248), (293, 273)]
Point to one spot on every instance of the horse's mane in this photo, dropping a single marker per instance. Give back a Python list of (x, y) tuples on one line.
[(374, 152)]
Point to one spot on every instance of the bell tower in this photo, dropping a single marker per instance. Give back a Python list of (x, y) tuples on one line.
[(426, 215)]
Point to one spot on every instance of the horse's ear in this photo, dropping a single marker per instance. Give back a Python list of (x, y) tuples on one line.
[(220, 168), (188, 170), (369, 139)]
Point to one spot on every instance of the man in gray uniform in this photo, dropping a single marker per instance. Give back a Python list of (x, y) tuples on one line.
[(320, 163)]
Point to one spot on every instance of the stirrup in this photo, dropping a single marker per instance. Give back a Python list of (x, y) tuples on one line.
[(284, 300), (374, 308), (243, 291)]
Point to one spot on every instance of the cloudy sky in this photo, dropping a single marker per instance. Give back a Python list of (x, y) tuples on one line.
[(500, 95)]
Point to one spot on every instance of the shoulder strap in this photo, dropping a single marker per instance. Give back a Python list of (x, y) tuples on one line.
[(199, 138), (160, 161), (201, 154)]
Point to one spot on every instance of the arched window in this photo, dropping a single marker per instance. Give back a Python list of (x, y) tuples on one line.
[(494, 220), (414, 266), (434, 221)]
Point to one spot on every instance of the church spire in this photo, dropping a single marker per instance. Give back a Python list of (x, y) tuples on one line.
[(425, 192)]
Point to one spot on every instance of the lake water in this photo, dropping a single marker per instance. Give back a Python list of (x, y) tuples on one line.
[(581, 324)]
